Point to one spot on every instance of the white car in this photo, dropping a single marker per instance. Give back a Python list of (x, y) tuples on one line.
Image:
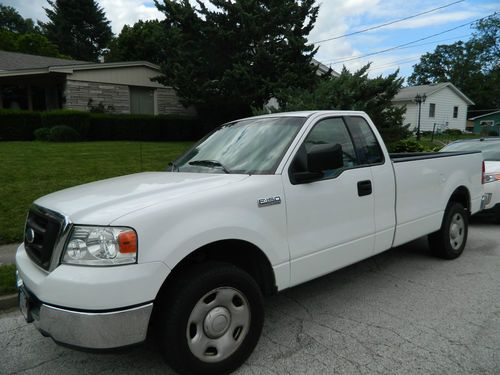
[(490, 147), (259, 205)]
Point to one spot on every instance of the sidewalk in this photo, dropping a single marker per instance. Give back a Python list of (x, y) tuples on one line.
[(8, 253)]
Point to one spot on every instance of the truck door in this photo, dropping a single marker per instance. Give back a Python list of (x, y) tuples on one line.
[(331, 220)]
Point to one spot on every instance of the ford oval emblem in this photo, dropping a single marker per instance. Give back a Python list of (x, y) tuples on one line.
[(30, 235)]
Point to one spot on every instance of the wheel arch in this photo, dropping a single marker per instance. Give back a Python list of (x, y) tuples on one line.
[(461, 195), (240, 253)]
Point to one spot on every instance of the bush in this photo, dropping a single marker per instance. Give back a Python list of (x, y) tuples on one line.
[(21, 126), (453, 132), (17, 125), (143, 127), (407, 145), (493, 133), (63, 133), (77, 120), (42, 134)]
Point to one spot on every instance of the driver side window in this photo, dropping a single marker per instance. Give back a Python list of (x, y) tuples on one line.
[(332, 131)]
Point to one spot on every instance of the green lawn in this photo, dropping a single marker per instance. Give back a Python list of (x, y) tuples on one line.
[(29, 170), (7, 279)]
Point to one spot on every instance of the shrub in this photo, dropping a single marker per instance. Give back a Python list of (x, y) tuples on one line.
[(21, 126), (77, 120), (17, 125), (407, 145), (63, 133), (42, 134), (453, 132), (493, 133)]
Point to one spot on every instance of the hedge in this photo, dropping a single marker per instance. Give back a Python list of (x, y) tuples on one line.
[(16, 125)]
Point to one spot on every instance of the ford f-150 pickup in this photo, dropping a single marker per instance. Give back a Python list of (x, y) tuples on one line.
[(257, 206)]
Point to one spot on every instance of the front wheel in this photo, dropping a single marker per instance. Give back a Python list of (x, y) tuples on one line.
[(449, 242), (211, 319)]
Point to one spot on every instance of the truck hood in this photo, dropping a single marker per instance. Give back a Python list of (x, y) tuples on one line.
[(101, 202)]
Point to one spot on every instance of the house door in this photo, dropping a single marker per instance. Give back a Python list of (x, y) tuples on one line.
[(142, 100)]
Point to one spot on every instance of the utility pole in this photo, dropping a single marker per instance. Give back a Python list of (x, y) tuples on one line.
[(419, 99)]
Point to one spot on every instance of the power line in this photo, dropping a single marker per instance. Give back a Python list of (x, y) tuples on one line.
[(423, 44), (333, 62), (387, 23), (435, 41), (395, 63)]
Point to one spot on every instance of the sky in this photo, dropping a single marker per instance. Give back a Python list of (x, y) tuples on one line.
[(340, 17)]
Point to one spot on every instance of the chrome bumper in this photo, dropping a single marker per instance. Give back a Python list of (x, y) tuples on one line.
[(94, 330)]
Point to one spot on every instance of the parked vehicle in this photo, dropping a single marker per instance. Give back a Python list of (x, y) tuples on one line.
[(490, 148), (257, 206)]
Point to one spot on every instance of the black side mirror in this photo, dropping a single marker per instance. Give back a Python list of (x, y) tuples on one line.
[(320, 158)]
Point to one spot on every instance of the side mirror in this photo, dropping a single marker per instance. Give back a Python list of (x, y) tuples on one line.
[(320, 158)]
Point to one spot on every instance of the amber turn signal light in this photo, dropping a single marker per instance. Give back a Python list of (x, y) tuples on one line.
[(128, 242)]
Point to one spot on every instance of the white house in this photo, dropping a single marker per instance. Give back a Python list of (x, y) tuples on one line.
[(445, 107)]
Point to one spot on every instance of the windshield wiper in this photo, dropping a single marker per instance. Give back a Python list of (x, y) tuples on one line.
[(210, 164), (173, 166)]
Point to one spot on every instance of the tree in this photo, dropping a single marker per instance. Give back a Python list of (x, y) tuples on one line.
[(229, 56), (78, 27), (142, 41), (21, 35), (472, 66), (355, 91), (11, 20)]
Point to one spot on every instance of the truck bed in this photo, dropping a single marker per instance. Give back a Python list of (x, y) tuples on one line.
[(400, 157)]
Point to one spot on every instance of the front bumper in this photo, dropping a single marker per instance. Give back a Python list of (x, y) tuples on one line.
[(89, 330), (98, 330)]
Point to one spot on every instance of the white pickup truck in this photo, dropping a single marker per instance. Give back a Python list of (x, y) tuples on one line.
[(257, 206)]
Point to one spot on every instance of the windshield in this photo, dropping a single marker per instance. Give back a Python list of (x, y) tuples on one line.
[(253, 146), (490, 149)]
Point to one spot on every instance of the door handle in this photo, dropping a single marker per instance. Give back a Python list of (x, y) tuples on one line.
[(364, 188)]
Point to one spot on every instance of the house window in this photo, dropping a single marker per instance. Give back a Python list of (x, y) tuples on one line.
[(455, 112), (486, 123), (432, 110)]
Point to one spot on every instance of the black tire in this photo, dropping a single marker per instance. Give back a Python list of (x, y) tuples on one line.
[(449, 242), (200, 288)]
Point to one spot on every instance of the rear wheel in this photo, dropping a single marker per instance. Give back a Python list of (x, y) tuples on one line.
[(449, 242), (211, 319)]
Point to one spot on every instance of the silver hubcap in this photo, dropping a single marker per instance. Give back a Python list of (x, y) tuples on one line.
[(457, 231), (218, 324)]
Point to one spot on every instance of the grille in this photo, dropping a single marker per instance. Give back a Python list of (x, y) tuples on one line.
[(41, 245)]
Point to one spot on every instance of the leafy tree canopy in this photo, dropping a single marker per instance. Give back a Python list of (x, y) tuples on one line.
[(142, 41), (473, 66), (31, 43), (11, 20), (228, 56), (78, 27), (355, 91), (21, 35)]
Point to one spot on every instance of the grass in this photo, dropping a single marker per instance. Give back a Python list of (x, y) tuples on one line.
[(7, 279), (29, 170)]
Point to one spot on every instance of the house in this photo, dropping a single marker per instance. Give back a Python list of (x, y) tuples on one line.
[(44, 83), (445, 107), (487, 124)]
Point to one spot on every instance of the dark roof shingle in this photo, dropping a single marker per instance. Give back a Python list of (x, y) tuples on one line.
[(16, 61)]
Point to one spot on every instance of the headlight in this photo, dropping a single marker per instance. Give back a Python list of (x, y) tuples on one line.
[(101, 246), (491, 177)]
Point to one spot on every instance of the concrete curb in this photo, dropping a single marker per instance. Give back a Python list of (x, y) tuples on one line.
[(7, 302)]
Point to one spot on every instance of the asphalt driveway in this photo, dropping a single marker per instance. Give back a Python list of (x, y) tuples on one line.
[(400, 312)]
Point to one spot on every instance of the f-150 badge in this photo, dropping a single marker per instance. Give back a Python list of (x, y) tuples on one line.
[(269, 201)]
